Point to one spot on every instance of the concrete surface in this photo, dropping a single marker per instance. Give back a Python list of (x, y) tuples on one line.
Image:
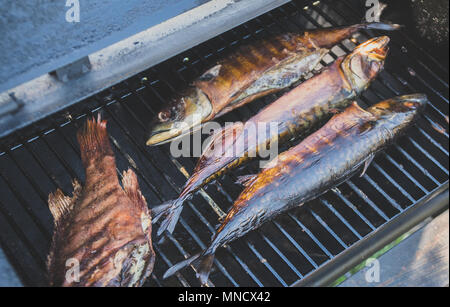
[(421, 260), (36, 37), (8, 277)]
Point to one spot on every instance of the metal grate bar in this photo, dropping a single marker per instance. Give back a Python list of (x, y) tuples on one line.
[(378, 168), (311, 235), (366, 199), (267, 265), (423, 170), (337, 192), (285, 259), (335, 212), (410, 177), (296, 245), (319, 219)]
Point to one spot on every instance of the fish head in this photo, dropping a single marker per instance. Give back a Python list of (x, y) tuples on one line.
[(180, 117), (398, 112), (365, 62)]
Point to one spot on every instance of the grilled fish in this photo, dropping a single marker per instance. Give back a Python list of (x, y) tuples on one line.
[(102, 233), (296, 113), (323, 160), (252, 71)]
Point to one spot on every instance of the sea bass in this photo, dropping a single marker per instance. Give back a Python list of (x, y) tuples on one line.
[(295, 113), (102, 233), (328, 157), (251, 71)]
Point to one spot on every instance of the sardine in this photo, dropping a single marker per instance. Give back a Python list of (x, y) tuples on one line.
[(328, 157), (102, 233), (250, 72), (296, 113)]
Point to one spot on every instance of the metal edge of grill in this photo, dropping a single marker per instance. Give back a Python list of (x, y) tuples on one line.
[(307, 246)]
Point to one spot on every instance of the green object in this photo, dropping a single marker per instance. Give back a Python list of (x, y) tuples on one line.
[(378, 254)]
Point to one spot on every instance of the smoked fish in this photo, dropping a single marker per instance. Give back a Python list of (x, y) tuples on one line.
[(295, 114), (328, 157), (102, 233), (253, 70)]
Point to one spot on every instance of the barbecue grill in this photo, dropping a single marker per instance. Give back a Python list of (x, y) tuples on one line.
[(311, 245)]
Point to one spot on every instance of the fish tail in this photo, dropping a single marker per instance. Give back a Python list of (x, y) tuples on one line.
[(202, 263), (204, 268), (170, 221), (379, 26), (161, 210), (171, 211), (93, 140)]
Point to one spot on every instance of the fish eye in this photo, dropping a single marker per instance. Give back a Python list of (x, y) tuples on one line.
[(410, 105), (164, 116)]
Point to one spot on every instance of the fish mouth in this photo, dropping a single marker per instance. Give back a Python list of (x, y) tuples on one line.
[(365, 62), (180, 119), (411, 102), (401, 104), (376, 48), (161, 135)]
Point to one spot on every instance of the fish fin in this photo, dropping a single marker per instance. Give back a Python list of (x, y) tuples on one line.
[(204, 268), (93, 140), (77, 188), (246, 180), (161, 210), (59, 205), (131, 187), (367, 163), (201, 262), (210, 74), (180, 265), (380, 26), (172, 214)]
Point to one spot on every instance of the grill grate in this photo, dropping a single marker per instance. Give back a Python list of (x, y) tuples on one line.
[(38, 159)]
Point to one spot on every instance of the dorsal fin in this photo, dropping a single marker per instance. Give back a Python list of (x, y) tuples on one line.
[(211, 73), (60, 204), (93, 140), (131, 187)]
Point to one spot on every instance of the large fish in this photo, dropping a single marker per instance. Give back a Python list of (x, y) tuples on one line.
[(296, 113), (102, 233), (252, 71), (347, 143)]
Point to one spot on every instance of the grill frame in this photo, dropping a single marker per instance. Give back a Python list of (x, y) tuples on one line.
[(321, 227)]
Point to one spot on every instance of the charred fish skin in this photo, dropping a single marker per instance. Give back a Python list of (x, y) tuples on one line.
[(323, 160), (250, 72), (102, 234), (297, 112)]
